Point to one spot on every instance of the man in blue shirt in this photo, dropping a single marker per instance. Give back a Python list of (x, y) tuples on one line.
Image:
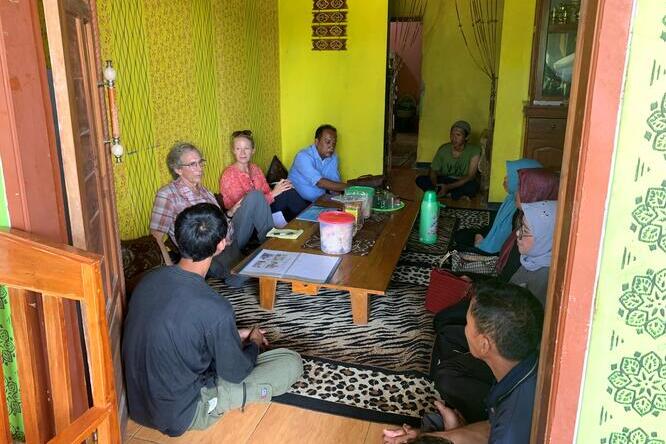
[(315, 168), (504, 323)]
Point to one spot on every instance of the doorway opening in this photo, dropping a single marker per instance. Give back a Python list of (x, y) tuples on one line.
[(404, 88)]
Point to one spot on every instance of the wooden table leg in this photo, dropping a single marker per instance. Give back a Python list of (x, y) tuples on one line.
[(267, 292), (359, 306), (305, 288)]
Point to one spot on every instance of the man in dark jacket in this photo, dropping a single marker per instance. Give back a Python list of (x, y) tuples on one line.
[(504, 323)]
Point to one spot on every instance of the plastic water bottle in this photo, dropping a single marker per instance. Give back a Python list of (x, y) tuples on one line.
[(428, 218)]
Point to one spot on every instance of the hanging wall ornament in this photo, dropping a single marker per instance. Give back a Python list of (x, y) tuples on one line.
[(329, 25)]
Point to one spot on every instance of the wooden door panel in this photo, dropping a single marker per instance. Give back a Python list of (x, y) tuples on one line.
[(72, 34), (88, 143), (115, 320)]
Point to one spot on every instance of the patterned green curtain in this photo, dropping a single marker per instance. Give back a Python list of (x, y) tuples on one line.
[(10, 368)]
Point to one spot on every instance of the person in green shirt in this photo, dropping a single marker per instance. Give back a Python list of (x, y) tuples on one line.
[(454, 168)]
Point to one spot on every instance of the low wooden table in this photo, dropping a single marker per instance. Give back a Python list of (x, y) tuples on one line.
[(360, 275)]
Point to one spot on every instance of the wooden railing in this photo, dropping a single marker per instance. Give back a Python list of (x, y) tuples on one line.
[(57, 273)]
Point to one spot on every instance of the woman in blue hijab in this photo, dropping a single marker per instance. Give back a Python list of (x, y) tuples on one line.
[(502, 226), (535, 243)]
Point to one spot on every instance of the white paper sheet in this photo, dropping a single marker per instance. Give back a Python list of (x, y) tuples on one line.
[(313, 267)]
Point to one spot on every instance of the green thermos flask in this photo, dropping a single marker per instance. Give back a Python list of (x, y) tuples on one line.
[(428, 218)]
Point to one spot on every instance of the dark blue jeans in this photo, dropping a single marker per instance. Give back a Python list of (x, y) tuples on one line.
[(468, 189)]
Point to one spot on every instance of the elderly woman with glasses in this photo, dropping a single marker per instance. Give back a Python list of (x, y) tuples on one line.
[(243, 179), (186, 166)]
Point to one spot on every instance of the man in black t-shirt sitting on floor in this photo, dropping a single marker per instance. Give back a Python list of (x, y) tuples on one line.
[(186, 363), (504, 323)]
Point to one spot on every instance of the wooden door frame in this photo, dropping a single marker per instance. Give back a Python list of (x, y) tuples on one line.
[(27, 135), (36, 204), (34, 188), (57, 14), (587, 166)]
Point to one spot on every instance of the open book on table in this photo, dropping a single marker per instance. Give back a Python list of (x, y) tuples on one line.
[(291, 265)]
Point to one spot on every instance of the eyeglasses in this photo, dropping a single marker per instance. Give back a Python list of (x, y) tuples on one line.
[(197, 163), (522, 232), (247, 133)]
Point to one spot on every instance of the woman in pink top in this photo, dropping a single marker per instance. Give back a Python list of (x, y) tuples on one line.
[(243, 177)]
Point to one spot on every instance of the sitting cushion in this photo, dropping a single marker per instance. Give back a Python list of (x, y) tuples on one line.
[(276, 171), (139, 255)]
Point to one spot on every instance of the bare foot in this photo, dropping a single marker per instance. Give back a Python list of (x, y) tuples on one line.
[(452, 418)]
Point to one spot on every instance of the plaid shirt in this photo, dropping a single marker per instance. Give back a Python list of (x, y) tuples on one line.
[(173, 198)]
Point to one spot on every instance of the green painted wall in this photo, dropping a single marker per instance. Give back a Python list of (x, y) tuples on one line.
[(512, 89), (4, 210), (343, 88), (7, 348), (455, 88), (624, 391), (190, 70)]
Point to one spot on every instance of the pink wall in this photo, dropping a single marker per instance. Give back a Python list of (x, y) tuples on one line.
[(409, 77)]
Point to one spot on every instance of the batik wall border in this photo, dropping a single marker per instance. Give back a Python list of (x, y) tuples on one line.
[(322, 5), (329, 16), (322, 31), (329, 44), (329, 29)]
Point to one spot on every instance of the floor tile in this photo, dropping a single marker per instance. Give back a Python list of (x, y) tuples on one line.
[(287, 424), (234, 428)]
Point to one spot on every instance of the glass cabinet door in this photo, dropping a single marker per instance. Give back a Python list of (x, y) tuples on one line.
[(557, 46)]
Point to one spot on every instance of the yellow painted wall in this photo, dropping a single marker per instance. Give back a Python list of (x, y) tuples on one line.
[(513, 89), (343, 88), (190, 70), (455, 88)]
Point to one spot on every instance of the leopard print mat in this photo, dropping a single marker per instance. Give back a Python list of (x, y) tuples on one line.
[(360, 392), (467, 218), (423, 259), (412, 274)]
